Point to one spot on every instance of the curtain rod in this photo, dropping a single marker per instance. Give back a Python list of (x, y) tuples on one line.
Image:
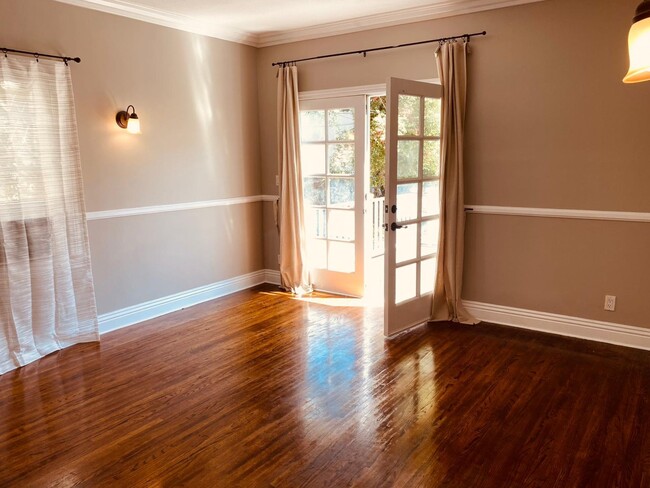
[(65, 59), (366, 51)]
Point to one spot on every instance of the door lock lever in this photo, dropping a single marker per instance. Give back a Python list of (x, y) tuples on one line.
[(395, 226)]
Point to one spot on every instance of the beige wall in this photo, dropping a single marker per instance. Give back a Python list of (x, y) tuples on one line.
[(549, 125), (197, 101)]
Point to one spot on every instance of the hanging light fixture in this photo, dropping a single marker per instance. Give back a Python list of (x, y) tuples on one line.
[(128, 121), (639, 45)]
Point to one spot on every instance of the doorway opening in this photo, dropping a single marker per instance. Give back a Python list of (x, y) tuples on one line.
[(376, 199)]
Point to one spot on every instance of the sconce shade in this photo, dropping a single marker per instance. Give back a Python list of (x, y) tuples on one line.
[(133, 125), (639, 45), (127, 121)]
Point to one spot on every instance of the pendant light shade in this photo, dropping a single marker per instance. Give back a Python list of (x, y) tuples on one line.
[(639, 45)]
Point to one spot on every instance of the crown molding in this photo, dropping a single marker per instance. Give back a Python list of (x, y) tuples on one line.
[(166, 19), (445, 8)]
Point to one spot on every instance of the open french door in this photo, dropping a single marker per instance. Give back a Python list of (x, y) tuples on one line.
[(412, 201), (333, 154)]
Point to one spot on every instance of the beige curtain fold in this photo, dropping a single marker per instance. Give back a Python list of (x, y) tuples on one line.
[(294, 272), (451, 58)]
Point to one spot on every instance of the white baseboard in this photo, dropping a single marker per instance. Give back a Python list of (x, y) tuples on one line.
[(272, 276), (593, 330), (161, 306)]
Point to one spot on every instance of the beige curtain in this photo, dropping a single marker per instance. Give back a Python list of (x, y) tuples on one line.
[(294, 273), (47, 300), (451, 58)]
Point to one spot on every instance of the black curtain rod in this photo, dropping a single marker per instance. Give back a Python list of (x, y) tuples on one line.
[(366, 51), (65, 59)]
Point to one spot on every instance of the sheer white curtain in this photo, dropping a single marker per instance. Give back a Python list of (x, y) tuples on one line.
[(294, 272), (47, 299)]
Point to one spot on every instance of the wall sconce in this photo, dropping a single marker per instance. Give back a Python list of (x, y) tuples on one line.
[(128, 121), (639, 45)]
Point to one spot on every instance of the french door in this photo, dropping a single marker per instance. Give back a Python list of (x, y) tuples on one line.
[(333, 153), (412, 202)]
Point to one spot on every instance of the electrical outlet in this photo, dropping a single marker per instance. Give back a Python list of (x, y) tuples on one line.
[(277, 180), (278, 259), (610, 303)]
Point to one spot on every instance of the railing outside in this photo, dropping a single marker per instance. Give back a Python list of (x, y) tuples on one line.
[(378, 233)]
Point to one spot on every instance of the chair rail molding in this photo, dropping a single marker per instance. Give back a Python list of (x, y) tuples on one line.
[(559, 213), (176, 207)]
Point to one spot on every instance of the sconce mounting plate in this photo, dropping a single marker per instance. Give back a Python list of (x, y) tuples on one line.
[(122, 118)]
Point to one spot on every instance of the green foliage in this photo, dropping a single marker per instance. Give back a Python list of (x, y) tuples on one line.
[(378, 146)]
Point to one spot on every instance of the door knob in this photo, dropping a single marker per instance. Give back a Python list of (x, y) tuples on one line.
[(395, 226)]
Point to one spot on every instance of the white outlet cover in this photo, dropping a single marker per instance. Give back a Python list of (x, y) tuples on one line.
[(610, 303)]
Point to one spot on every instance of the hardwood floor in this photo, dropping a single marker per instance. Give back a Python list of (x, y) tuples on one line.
[(258, 389)]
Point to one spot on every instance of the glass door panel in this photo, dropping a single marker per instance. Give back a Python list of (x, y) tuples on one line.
[(333, 154), (412, 197)]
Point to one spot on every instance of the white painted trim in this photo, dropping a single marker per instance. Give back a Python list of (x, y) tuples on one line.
[(377, 90), (161, 306), (562, 213), (167, 18), (593, 330), (272, 276), (175, 207), (437, 10)]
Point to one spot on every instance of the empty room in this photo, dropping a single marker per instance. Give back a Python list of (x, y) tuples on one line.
[(396, 243)]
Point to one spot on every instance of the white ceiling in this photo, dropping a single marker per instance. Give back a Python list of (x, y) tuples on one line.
[(268, 22)]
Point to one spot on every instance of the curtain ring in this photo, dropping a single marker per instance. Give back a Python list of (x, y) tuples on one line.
[(5, 51), (36, 56), (65, 61)]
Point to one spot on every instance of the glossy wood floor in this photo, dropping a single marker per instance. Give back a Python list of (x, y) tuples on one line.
[(258, 389)]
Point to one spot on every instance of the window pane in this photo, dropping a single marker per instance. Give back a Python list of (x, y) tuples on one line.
[(341, 159), (312, 125), (317, 250), (313, 159), (342, 192), (314, 190), (316, 222), (407, 201), (408, 156), (408, 115), (340, 225), (432, 116), (405, 283), (341, 257), (406, 243), (429, 238), (427, 275), (430, 198), (340, 124), (431, 158)]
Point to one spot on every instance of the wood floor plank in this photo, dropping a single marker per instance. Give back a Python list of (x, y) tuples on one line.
[(259, 389)]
